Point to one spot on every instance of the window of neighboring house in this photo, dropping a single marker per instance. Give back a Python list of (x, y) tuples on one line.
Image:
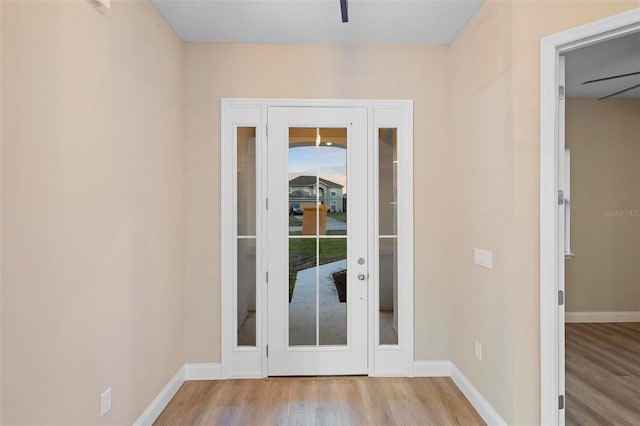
[(333, 193)]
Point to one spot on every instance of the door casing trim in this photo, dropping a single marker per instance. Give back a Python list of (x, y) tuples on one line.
[(252, 362)]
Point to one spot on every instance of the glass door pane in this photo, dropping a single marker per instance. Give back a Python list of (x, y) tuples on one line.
[(388, 236), (332, 280), (317, 236), (246, 236)]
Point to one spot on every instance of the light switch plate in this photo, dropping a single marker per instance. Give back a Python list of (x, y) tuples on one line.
[(483, 258)]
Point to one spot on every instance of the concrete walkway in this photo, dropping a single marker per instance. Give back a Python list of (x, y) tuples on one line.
[(302, 308), (333, 314)]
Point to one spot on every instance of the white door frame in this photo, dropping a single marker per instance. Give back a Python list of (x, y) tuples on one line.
[(551, 242), (383, 360)]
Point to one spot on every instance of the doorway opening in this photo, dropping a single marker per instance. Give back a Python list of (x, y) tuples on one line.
[(602, 232), (557, 213)]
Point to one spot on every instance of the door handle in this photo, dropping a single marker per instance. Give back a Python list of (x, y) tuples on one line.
[(362, 277)]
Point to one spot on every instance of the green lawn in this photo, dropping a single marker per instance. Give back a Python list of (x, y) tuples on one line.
[(302, 255), (338, 216)]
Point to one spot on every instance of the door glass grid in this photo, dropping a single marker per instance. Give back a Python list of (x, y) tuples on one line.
[(317, 236)]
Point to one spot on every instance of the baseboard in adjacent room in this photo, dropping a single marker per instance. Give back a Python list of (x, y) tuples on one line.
[(161, 400), (620, 316)]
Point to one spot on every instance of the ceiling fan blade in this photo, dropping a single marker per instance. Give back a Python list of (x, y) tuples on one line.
[(613, 77), (620, 92)]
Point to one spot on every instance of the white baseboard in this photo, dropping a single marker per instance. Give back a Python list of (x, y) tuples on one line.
[(161, 400), (390, 373), (186, 372), (629, 316), (211, 371), (482, 406), (448, 369), (432, 369)]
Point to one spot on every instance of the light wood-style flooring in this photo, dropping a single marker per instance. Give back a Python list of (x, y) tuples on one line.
[(320, 401), (603, 374)]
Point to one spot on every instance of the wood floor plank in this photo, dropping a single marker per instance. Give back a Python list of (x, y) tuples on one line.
[(602, 374), (320, 401)]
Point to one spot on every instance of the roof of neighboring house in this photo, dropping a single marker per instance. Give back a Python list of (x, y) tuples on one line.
[(311, 180)]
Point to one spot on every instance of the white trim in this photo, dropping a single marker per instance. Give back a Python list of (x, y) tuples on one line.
[(159, 403), (406, 232), (550, 244), (227, 174), (482, 406), (628, 316), (448, 369), (432, 369), (238, 361), (327, 103), (203, 371), (394, 360), (373, 318)]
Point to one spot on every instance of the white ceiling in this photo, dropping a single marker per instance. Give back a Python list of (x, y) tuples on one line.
[(418, 22), (613, 57)]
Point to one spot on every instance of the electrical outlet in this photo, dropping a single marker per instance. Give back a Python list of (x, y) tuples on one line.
[(105, 402), (478, 351)]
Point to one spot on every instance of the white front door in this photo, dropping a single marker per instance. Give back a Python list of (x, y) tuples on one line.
[(317, 258)]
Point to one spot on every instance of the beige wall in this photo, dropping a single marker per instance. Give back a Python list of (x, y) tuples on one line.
[(92, 210), (604, 137), (503, 311), (480, 216), (213, 71), (93, 194)]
